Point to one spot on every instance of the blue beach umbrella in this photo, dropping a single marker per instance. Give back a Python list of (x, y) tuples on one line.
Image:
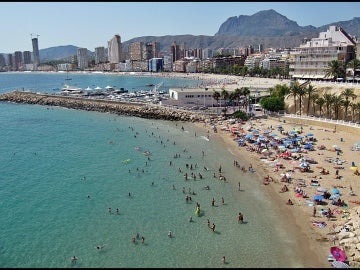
[(309, 134), (334, 196), (308, 146), (248, 136), (318, 197), (335, 191)]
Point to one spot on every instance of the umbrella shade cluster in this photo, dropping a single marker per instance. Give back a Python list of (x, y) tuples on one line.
[(318, 197)]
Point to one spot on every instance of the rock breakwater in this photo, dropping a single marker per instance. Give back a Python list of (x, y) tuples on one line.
[(142, 110)]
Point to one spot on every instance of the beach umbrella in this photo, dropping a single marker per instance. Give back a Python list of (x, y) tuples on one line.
[(248, 136), (309, 134), (336, 146), (264, 150), (335, 191), (354, 168), (318, 197), (295, 150), (339, 264), (304, 164), (308, 146), (338, 254), (320, 189), (334, 196)]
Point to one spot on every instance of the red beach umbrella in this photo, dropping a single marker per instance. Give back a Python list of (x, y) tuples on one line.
[(338, 254)]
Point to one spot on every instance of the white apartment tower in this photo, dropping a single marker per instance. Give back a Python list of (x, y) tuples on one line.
[(115, 50), (100, 56), (312, 58), (83, 59)]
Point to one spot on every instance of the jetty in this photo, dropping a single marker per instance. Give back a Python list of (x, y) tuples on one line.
[(142, 110)]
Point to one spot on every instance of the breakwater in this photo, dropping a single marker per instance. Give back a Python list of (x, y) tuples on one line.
[(149, 111)]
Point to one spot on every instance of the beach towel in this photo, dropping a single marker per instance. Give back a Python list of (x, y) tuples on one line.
[(319, 224)]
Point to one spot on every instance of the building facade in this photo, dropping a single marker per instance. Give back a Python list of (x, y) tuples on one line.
[(27, 57), (83, 59), (100, 56), (115, 54), (36, 54), (312, 58)]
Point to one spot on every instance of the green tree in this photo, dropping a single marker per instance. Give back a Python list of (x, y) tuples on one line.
[(354, 64), (273, 104), (338, 101), (347, 94), (216, 95), (320, 101), (334, 70), (314, 97), (310, 89), (329, 100), (294, 90)]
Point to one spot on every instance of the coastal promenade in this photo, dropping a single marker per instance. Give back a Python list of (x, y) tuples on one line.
[(149, 111)]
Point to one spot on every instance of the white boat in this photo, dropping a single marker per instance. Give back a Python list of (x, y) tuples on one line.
[(109, 87), (71, 89)]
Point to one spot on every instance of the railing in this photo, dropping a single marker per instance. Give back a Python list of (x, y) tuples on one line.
[(320, 119)]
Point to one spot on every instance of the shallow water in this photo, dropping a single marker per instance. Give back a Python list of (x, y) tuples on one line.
[(52, 159)]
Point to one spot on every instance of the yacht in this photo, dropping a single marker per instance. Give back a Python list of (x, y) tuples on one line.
[(71, 89)]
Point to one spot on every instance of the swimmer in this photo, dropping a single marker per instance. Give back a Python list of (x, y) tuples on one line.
[(169, 234), (100, 247), (142, 239), (74, 258), (190, 219), (223, 259)]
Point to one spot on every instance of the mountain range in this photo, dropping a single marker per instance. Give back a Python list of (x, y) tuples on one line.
[(266, 27)]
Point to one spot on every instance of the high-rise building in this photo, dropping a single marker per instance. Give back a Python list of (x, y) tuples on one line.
[(136, 51), (115, 50), (2, 60), (36, 55), (82, 56), (176, 52), (17, 59), (27, 57), (100, 56), (10, 60)]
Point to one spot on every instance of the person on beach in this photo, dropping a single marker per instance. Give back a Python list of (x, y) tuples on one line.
[(314, 211), (190, 219), (240, 218), (239, 186), (213, 227), (289, 202)]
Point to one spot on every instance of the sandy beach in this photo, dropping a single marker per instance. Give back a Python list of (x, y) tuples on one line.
[(300, 216)]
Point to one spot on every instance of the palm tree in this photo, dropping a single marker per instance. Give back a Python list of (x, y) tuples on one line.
[(320, 101), (225, 95), (354, 65), (294, 90), (232, 97), (309, 90), (348, 93), (238, 93), (328, 102), (337, 102), (356, 107), (301, 93), (334, 70), (246, 93), (216, 95), (314, 97)]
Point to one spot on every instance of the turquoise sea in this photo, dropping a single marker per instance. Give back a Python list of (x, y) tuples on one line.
[(62, 169)]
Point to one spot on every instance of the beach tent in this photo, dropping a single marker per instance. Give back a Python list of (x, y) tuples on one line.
[(338, 254)]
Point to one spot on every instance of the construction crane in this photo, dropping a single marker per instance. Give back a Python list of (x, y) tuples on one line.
[(33, 34)]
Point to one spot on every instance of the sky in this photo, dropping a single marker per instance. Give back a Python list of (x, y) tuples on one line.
[(92, 24)]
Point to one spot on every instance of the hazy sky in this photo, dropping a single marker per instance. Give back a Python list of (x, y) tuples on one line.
[(92, 24)]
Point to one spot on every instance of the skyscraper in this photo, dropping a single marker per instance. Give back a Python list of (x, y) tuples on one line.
[(27, 57), (36, 55), (82, 56), (115, 50), (18, 60), (100, 56)]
